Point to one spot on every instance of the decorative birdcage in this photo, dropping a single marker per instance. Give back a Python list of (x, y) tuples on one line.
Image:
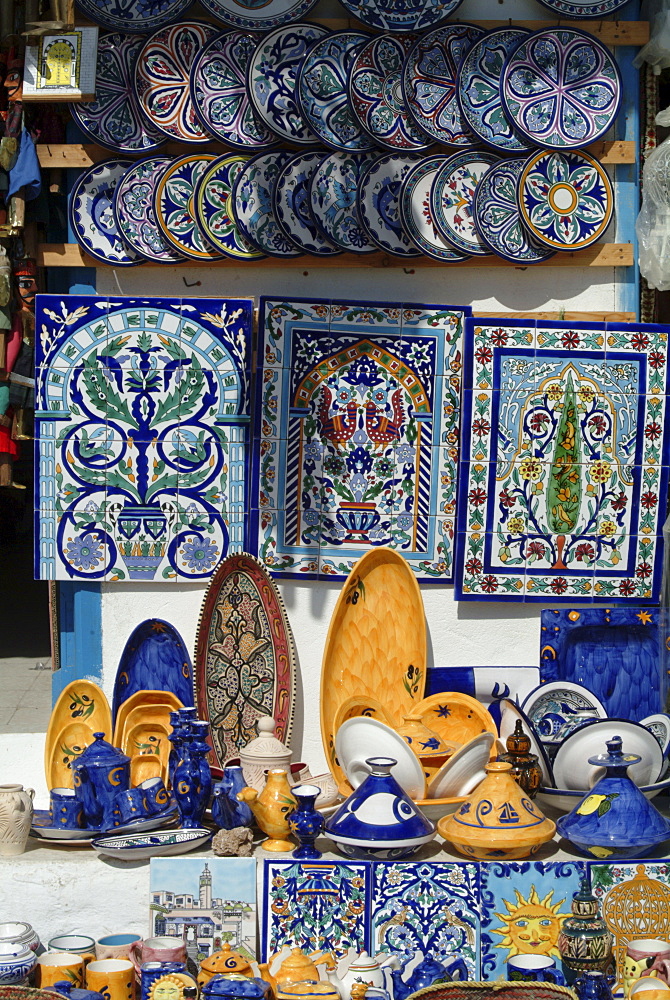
[(637, 908)]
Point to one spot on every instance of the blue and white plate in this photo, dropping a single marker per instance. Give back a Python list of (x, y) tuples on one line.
[(252, 205), (173, 202), (322, 91), (559, 707), (258, 15), (291, 206), (375, 93), (212, 202), (561, 88), (161, 843), (584, 8), (133, 15), (219, 92), (272, 76), (429, 82), (566, 199), (92, 214), (479, 90), (497, 219), (333, 200), (135, 213), (402, 15), (378, 203), (452, 199), (415, 213), (114, 118), (162, 80)]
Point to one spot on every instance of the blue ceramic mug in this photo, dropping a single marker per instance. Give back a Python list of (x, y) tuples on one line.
[(66, 811), (152, 971), (129, 805), (534, 969), (155, 794)]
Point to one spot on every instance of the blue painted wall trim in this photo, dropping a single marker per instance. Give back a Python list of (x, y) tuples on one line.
[(80, 620)]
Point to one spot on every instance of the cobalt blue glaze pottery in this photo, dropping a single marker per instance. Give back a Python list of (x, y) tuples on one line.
[(192, 781), (251, 988), (64, 987), (615, 820), (100, 773), (227, 812), (306, 823)]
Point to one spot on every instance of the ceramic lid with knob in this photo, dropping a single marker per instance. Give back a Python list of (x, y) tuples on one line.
[(101, 753), (266, 746)]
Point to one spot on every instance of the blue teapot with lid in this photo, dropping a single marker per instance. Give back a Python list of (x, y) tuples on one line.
[(594, 986), (428, 971), (100, 772)]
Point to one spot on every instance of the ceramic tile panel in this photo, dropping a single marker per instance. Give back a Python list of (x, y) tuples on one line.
[(316, 906), (523, 904), (357, 427), (564, 462), (141, 436), (427, 909)]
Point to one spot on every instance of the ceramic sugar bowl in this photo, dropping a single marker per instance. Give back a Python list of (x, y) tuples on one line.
[(223, 963), (263, 753), (17, 961)]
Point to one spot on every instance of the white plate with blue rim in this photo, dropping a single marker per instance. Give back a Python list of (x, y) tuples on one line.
[(558, 707), (571, 767)]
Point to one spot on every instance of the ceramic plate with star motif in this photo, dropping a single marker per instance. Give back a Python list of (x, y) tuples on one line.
[(497, 219)]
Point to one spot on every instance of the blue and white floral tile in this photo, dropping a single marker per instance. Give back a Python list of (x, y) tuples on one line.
[(426, 909), (306, 550), (523, 904), (315, 905)]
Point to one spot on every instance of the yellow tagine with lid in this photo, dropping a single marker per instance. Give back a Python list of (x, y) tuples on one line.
[(498, 820)]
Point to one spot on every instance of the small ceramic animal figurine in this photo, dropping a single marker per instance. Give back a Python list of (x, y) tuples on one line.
[(525, 765), (271, 810)]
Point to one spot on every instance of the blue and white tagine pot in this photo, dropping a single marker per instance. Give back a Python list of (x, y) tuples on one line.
[(378, 820)]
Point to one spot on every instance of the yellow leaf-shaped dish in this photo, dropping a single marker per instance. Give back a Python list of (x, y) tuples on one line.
[(84, 705)]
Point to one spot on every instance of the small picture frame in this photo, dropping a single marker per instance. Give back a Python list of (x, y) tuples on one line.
[(61, 66)]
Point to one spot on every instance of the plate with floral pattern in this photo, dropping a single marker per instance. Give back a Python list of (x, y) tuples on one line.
[(566, 199), (258, 15), (135, 213), (173, 202), (561, 88), (114, 118), (219, 92), (378, 203), (322, 91), (133, 15), (162, 80), (252, 204), (291, 205), (375, 93), (429, 82), (213, 207), (415, 212), (272, 76), (92, 215), (584, 8), (402, 15), (479, 93), (333, 197), (497, 219), (452, 196)]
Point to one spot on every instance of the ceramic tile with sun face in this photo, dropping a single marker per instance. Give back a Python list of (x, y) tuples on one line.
[(564, 462), (357, 421), (142, 426), (523, 904)]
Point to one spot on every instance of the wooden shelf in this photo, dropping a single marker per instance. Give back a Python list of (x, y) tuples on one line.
[(599, 255)]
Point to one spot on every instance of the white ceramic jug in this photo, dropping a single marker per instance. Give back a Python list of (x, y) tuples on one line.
[(16, 815)]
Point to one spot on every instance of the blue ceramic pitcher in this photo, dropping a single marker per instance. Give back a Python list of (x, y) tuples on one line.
[(100, 773)]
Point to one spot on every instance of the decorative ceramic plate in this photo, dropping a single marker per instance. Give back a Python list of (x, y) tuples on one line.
[(333, 195), (584, 8), (272, 76), (571, 767), (496, 215), (479, 92), (252, 205), (244, 657), (162, 80), (322, 91), (219, 92), (510, 714), (291, 205), (555, 709), (135, 214), (173, 202), (376, 643), (81, 710), (375, 93), (144, 700), (258, 15), (114, 118), (464, 770), (154, 659), (415, 215), (162, 843), (358, 705), (213, 207), (363, 737), (402, 15), (148, 739), (561, 88), (92, 215), (455, 717), (452, 198), (659, 726), (566, 199), (378, 203), (430, 82), (133, 15), (142, 714), (42, 828)]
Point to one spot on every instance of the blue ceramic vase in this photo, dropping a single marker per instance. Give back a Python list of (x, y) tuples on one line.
[(100, 773), (227, 811), (193, 778), (614, 820), (176, 737), (306, 823)]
